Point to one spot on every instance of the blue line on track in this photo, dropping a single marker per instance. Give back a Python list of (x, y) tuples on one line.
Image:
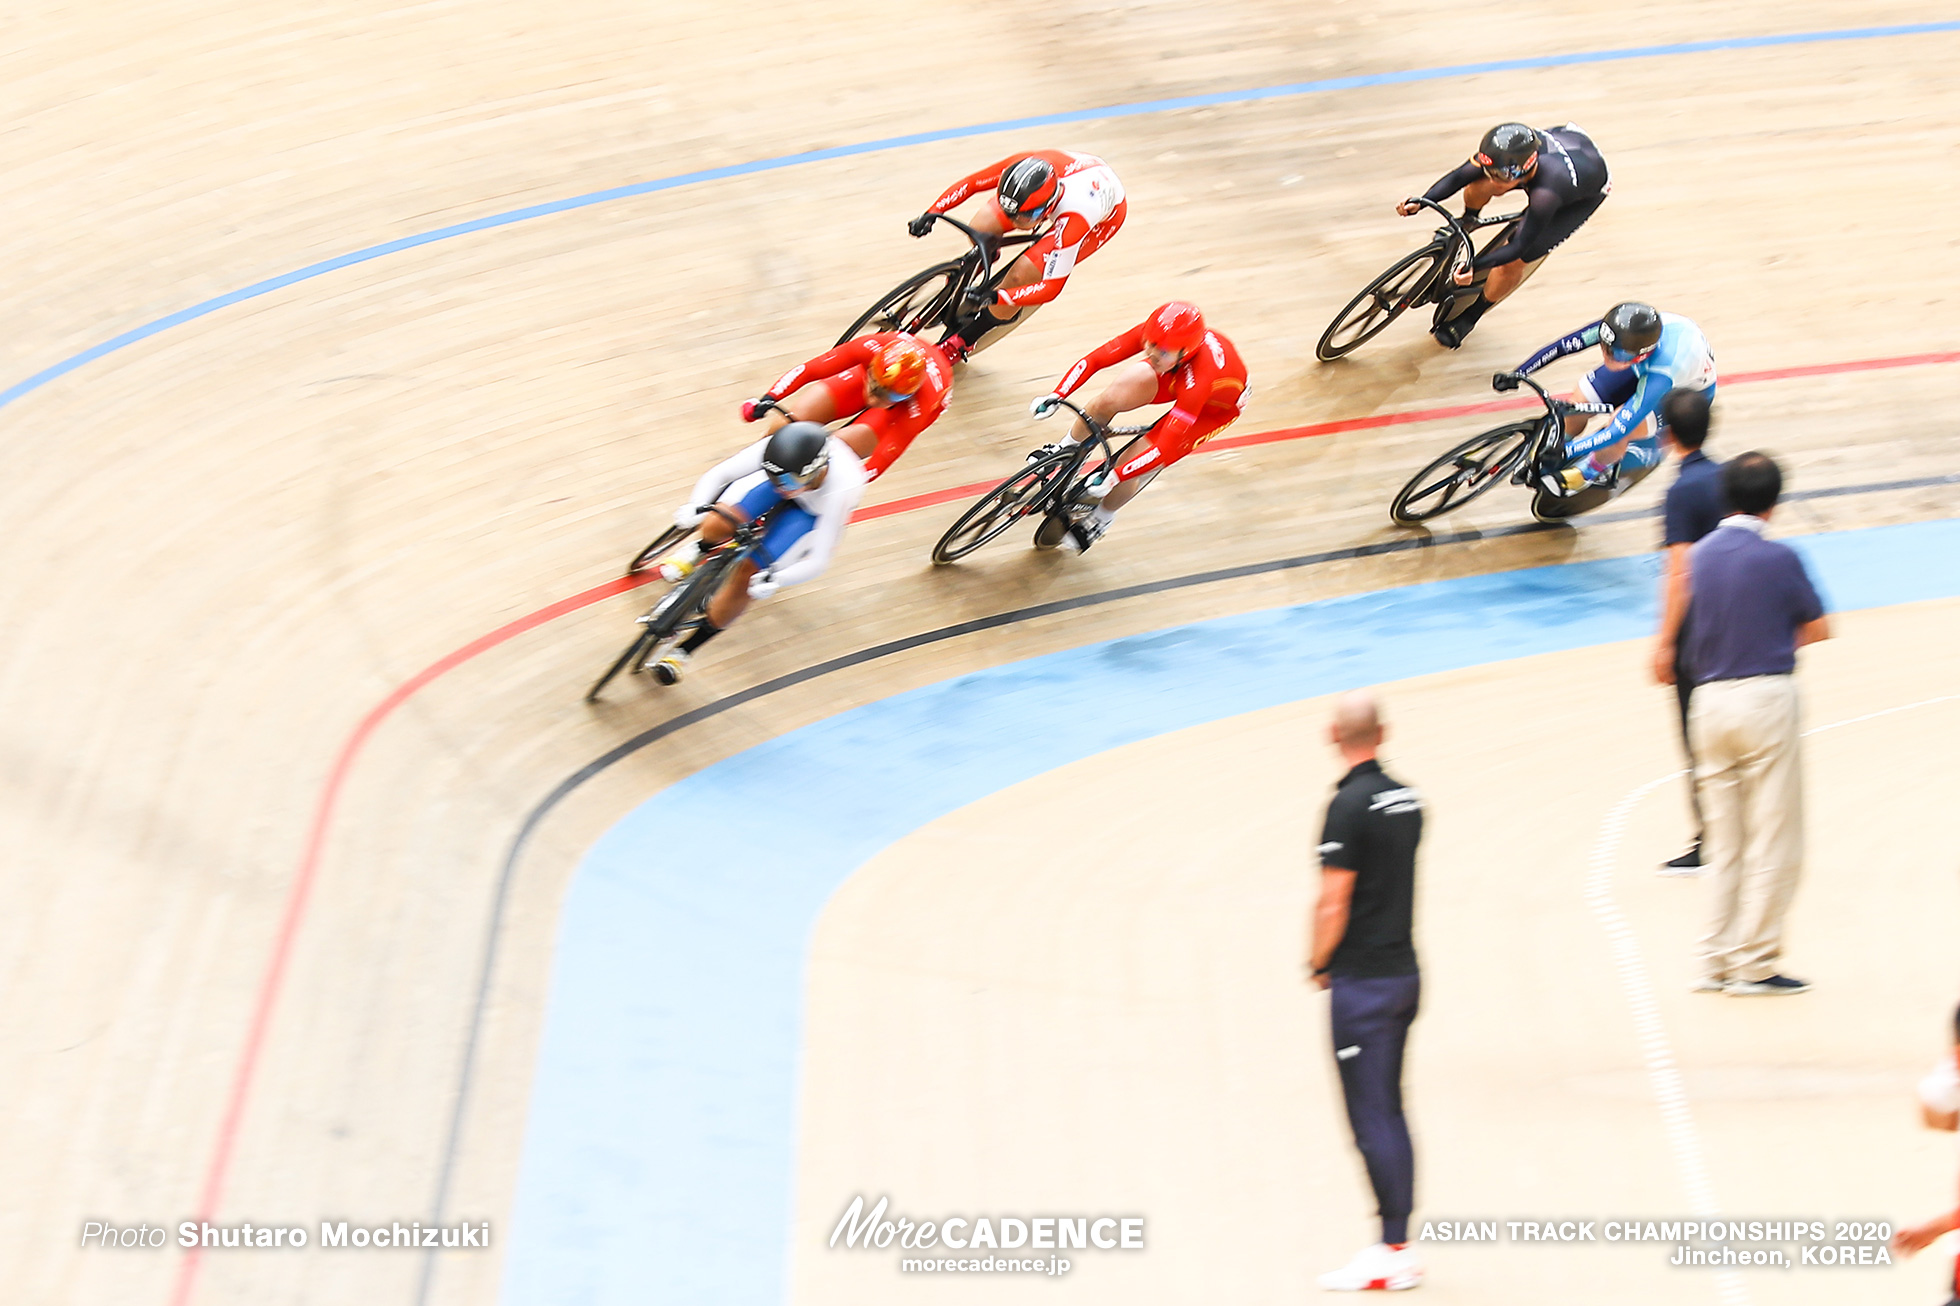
[(495, 220), (660, 1151)]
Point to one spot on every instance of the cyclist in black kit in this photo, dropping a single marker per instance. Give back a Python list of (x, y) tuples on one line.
[(1564, 179)]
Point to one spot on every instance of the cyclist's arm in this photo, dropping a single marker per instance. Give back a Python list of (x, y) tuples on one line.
[(1451, 182), (843, 358), (1127, 345), (1544, 203), (960, 191), (1055, 253), (725, 473), (1646, 401), (1584, 338), (813, 551)]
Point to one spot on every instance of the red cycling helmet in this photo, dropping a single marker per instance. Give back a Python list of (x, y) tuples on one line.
[(898, 368), (1176, 327)]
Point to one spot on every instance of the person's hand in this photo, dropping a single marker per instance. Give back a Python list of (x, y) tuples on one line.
[(1920, 1236), (755, 408), (1463, 275), (920, 225), (1408, 208), (1663, 662), (1044, 407), (761, 586), (977, 299), (687, 516)]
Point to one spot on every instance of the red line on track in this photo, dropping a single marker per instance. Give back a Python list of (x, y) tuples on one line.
[(324, 809)]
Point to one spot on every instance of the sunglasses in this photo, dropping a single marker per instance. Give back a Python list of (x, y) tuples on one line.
[(788, 484), (1509, 171), (1628, 355)]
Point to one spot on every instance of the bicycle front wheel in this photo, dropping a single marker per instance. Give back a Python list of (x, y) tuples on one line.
[(1463, 473), (914, 304), (1381, 301), (1025, 492)]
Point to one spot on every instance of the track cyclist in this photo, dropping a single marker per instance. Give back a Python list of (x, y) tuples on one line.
[(1077, 195), (1565, 181), (1184, 364), (811, 478), (891, 385), (1647, 354)]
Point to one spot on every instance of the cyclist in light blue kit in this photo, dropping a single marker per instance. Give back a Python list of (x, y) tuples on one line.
[(1648, 354)]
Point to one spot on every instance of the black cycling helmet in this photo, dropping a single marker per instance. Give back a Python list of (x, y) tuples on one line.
[(1028, 189), (1629, 330), (1508, 151), (796, 455)]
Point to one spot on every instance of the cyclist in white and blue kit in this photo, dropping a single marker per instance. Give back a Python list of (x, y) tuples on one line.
[(1648, 354)]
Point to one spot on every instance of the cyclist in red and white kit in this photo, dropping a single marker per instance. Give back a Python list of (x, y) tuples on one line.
[(1184, 364), (1077, 195), (892, 385)]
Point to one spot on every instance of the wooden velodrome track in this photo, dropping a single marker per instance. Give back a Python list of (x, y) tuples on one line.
[(246, 908)]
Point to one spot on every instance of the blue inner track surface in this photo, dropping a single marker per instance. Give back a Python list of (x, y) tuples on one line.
[(660, 1151), (530, 211)]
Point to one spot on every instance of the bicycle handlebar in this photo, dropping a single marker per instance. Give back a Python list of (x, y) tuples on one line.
[(1557, 407), (1098, 433), (988, 245)]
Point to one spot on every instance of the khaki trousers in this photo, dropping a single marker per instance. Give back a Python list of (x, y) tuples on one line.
[(1747, 770)]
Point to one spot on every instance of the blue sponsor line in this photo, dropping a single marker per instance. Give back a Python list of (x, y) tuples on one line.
[(495, 220)]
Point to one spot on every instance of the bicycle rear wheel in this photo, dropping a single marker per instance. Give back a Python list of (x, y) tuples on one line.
[(1463, 473), (1381, 301), (1025, 492), (914, 304), (651, 554)]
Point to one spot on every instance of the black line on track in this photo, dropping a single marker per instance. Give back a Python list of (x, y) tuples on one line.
[(566, 787)]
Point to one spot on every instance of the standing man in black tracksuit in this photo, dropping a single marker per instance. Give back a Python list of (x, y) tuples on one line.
[(1565, 180), (1361, 947)]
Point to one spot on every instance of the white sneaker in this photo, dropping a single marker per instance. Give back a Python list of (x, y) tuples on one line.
[(671, 666), (1379, 1268)]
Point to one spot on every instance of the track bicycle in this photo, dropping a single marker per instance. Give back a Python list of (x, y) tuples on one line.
[(664, 543), (684, 606), (1412, 280), (1053, 486), (1519, 452), (933, 297)]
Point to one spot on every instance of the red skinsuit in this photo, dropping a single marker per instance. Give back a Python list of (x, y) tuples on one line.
[(1207, 389), (844, 372), (1090, 212)]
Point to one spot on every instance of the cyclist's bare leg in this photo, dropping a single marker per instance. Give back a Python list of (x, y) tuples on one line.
[(715, 528), (1134, 385), (732, 600), (1507, 277)]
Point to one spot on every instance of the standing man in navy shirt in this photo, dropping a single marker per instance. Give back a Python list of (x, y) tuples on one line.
[(1694, 507), (1361, 946), (1753, 607)]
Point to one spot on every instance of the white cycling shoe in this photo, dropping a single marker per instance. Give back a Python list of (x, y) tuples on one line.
[(1379, 1268)]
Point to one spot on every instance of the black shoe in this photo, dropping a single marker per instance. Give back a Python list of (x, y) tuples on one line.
[(1774, 986), (1449, 334), (1687, 861)]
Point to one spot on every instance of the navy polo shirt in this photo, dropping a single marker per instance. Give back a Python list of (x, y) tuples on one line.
[(1695, 504), (1750, 595)]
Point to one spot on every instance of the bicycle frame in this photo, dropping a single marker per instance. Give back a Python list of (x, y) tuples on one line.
[(1552, 427), (1461, 250)]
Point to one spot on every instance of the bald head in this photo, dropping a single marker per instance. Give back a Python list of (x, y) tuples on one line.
[(1357, 727)]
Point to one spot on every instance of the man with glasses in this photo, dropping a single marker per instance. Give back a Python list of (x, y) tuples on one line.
[(808, 481), (1647, 355), (1564, 179), (891, 385)]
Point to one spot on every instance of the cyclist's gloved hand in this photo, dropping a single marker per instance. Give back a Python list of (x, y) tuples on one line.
[(1044, 406), (977, 300), (687, 516), (1408, 208), (761, 586), (1504, 381), (920, 225), (754, 408)]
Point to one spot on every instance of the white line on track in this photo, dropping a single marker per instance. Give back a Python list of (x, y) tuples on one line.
[(1662, 1072)]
